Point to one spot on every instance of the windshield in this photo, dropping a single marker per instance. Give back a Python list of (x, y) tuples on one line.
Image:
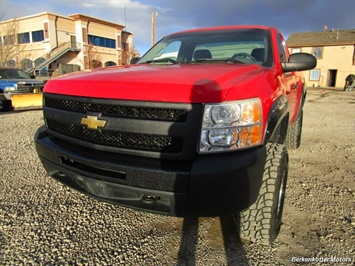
[(13, 74), (248, 46)]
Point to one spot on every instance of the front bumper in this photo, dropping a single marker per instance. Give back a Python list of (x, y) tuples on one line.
[(211, 185), (7, 95)]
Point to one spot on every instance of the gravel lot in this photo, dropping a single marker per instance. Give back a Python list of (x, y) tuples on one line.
[(44, 223)]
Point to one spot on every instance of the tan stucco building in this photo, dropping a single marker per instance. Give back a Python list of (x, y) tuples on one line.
[(49, 43), (335, 52)]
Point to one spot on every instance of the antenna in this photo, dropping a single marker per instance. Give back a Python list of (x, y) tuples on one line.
[(125, 17)]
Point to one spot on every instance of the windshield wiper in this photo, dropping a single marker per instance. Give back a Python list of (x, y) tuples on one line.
[(162, 60), (217, 60), (233, 60)]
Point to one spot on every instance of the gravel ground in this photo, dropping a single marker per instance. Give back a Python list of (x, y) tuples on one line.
[(44, 223)]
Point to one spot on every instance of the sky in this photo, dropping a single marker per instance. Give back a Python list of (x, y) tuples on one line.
[(175, 15)]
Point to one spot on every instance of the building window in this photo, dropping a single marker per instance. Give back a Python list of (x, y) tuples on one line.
[(9, 40), (125, 46), (110, 63), (45, 26), (314, 74), (11, 63), (119, 40), (85, 36), (95, 64), (23, 37), (26, 64), (101, 41), (37, 36), (318, 52)]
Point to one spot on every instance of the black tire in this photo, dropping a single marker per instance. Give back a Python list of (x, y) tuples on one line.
[(261, 222), (5, 105), (294, 134)]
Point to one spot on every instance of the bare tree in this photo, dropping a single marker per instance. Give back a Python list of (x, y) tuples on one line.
[(128, 52), (9, 46), (94, 57), (12, 41), (12, 44)]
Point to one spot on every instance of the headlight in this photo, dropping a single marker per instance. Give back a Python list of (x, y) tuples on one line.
[(231, 126), (8, 91)]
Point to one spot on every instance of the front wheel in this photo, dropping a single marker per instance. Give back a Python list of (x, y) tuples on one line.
[(5, 105), (261, 222)]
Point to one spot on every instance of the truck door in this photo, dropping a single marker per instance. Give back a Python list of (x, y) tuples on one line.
[(291, 82)]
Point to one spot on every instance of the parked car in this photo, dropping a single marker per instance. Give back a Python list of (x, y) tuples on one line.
[(15, 83), (349, 83)]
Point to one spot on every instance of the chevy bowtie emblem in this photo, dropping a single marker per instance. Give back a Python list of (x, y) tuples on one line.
[(92, 122)]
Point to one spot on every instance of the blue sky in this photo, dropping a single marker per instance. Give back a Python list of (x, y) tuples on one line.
[(175, 15)]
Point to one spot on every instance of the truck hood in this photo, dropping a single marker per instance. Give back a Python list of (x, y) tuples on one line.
[(190, 83)]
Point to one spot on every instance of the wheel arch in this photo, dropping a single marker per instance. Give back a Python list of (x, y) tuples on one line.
[(277, 121)]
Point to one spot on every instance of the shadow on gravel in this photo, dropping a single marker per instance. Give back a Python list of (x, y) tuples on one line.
[(233, 246), (234, 251)]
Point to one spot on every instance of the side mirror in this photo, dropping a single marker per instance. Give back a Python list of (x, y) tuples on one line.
[(299, 62), (134, 60), (33, 76)]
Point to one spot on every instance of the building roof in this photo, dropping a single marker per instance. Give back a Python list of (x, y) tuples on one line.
[(322, 38), (35, 15), (88, 18), (72, 17)]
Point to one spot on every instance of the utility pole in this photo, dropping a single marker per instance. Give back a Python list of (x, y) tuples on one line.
[(154, 14)]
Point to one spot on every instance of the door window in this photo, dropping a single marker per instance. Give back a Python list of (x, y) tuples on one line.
[(282, 46)]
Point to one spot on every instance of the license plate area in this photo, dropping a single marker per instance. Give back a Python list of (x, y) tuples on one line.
[(110, 175)]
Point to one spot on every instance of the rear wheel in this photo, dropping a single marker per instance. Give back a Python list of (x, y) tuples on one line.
[(293, 138), (261, 222)]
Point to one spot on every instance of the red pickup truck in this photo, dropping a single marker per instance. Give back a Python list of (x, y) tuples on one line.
[(199, 126)]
